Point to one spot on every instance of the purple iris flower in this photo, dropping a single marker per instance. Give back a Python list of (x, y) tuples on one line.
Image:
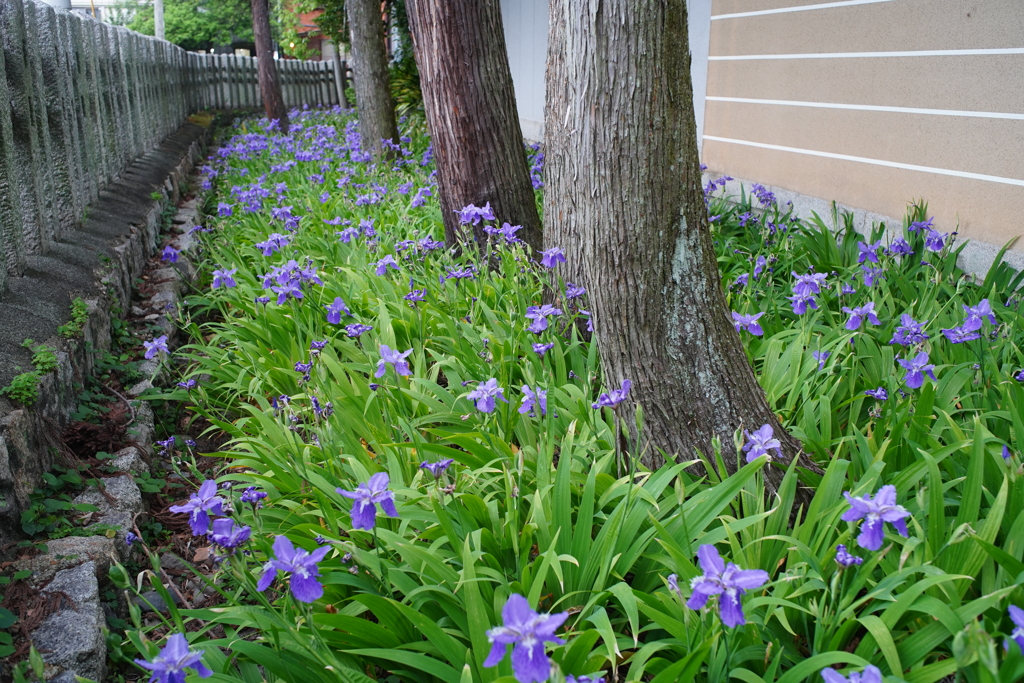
[(569, 678), (348, 234), (975, 314), (252, 495), (870, 275), (437, 468), (909, 332), (385, 263), (485, 394), (844, 558), (742, 281), (742, 321), (420, 197), (357, 329), (728, 581), (203, 503), (760, 442), (590, 320), (227, 534), (900, 247), (1006, 452), (539, 316), (800, 303), (396, 358), (879, 394), (610, 399), (1019, 376), (291, 288), (169, 666), (335, 309), (916, 367), (807, 285), (170, 254), (281, 213), (224, 210), (847, 289), (859, 313), (508, 231), (528, 631), (921, 225), (868, 252), (300, 564), (959, 335), (759, 263), (366, 225), (130, 538), (158, 345), (367, 497), (1017, 616), (274, 243), (935, 240), (821, 357), (573, 291), (474, 214), (414, 295), (534, 399), (875, 511), (222, 278), (871, 674), (541, 349), (550, 258), (190, 383)]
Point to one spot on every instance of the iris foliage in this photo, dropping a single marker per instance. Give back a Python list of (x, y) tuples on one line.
[(532, 503)]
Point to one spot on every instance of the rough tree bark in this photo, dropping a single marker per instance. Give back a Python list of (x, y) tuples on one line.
[(370, 75), (471, 114), (623, 197), (270, 85)]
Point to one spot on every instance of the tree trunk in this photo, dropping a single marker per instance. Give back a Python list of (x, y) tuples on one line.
[(623, 198), (370, 73), (471, 114), (270, 86)]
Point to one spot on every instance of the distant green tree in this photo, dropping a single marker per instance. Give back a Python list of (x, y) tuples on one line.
[(191, 24)]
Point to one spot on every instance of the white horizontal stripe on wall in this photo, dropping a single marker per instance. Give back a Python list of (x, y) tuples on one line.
[(799, 8), (874, 162), (854, 55), (872, 107)]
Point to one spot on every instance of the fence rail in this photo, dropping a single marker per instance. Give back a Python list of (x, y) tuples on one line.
[(82, 99)]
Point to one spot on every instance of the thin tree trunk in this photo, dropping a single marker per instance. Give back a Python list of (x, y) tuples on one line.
[(270, 85), (623, 198), (370, 73), (471, 114)]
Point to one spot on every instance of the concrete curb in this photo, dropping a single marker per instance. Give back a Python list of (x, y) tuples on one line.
[(98, 263), (71, 640)]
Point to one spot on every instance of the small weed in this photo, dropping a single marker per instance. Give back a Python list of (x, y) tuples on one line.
[(79, 316), (51, 508), (43, 357), (156, 196), (24, 388)]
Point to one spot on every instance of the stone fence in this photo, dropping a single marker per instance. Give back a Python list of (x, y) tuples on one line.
[(83, 99)]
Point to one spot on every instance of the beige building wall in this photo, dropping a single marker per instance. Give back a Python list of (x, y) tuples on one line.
[(875, 103)]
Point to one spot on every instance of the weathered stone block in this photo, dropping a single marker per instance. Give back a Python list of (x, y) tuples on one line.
[(72, 639)]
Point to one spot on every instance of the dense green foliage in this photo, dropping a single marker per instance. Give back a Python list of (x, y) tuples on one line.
[(534, 504), (192, 24)]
